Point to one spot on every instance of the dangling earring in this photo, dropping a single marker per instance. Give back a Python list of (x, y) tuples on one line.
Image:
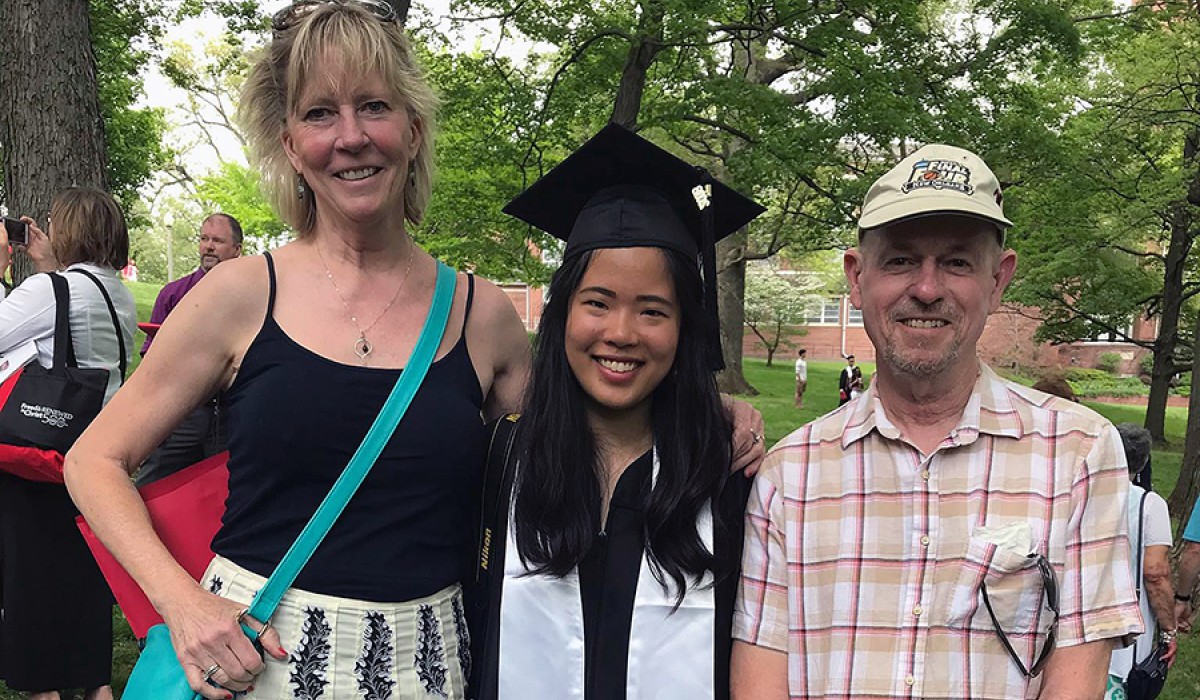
[(301, 186), (412, 175)]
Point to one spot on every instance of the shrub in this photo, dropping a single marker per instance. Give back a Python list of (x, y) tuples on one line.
[(1146, 364), (1108, 361), (1080, 374), (1112, 386)]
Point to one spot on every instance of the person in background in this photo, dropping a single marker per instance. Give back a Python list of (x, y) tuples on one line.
[(801, 376), (56, 627), (949, 534), (202, 432), (1187, 572), (1154, 579), (1056, 385), (220, 240), (849, 381)]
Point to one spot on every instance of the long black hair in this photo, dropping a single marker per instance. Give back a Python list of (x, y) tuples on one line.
[(558, 483)]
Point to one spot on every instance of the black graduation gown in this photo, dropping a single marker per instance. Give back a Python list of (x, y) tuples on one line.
[(608, 578)]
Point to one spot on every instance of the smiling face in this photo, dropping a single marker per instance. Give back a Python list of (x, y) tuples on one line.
[(623, 325), (926, 287), (352, 140)]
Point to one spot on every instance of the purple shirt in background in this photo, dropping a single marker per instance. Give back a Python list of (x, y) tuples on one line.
[(169, 298)]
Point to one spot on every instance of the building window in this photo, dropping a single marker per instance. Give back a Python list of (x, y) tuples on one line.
[(828, 315), (1098, 334), (853, 316)]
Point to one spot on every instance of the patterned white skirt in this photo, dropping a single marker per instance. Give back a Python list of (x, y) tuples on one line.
[(344, 649)]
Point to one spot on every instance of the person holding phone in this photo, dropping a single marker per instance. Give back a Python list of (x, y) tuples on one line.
[(24, 234), (56, 631)]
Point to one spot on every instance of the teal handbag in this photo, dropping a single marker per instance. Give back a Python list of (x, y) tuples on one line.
[(158, 674)]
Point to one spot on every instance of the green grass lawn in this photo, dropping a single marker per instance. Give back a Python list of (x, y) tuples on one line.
[(776, 385), (144, 294)]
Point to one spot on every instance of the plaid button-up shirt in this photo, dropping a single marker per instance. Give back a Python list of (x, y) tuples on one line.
[(863, 561)]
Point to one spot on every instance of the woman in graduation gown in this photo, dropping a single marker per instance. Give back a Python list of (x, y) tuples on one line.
[(612, 523)]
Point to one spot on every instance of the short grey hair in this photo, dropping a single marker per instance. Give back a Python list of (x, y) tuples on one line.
[(1137, 442)]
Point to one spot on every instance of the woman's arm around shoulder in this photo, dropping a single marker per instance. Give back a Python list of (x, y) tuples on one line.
[(499, 345)]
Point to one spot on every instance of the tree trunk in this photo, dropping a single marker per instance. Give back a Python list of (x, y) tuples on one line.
[(731, 292), (641, 56), (1183, 496), (1172, 305), (50, 125)]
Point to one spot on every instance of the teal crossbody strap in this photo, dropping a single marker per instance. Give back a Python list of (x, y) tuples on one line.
[(381, 430)]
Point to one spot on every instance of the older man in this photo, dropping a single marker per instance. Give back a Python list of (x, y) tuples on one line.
[(201, 434), (947, 534)]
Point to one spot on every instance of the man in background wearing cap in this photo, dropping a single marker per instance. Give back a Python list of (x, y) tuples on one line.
[(950, 534)]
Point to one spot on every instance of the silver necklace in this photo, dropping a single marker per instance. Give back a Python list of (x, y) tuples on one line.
[(362, 346)]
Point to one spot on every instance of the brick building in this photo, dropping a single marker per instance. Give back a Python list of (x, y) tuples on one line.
[(1007, 341), (527, 301)]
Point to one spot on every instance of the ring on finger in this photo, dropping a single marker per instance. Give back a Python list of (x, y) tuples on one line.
[(755, 438), (212, 671)]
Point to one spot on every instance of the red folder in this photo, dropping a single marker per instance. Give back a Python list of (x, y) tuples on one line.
[(185, 509)]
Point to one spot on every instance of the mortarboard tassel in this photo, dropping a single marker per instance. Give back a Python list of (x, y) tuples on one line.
[(708, 265)]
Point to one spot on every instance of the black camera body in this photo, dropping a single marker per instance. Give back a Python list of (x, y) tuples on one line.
[(18, 231)]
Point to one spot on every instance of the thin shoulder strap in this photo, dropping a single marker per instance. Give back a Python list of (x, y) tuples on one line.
[(112, 311), (64, 347), (470, 298), (1141, 515), (270, 283), (1137, 573), (495, 495)]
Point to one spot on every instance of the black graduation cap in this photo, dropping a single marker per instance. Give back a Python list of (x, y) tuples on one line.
[(621, 191)]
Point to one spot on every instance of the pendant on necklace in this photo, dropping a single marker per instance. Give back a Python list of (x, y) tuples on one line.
[(362, 347)]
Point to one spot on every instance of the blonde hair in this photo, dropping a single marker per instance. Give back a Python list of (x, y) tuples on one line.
[(89, 227), (292, 59)]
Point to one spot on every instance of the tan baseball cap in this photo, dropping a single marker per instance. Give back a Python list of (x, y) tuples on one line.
[(936, 179)]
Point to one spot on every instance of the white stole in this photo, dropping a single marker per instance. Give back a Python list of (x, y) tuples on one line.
[(541, 632)]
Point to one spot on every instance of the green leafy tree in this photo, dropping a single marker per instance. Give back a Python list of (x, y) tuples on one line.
[(67, 116), (123, 32), (1108, 217), (163, 243), (797, 103), (482, 148), (234, 189), (777, 304)]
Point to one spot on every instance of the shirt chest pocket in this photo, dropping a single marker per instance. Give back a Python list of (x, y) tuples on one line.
[(1014, 588)]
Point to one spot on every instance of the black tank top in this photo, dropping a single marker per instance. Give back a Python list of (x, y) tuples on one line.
[(295, 419)]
